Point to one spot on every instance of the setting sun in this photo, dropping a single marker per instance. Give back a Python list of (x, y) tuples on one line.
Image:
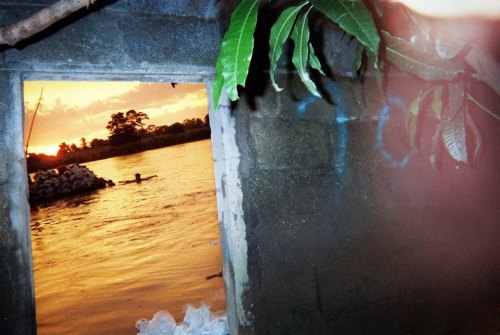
[(50, 150)]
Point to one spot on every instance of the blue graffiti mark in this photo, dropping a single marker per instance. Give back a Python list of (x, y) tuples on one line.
[(342, 134), (384, 117), (304, 104), (341, 118)]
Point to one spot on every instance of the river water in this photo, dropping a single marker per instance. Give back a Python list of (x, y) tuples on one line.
[(104, 260)]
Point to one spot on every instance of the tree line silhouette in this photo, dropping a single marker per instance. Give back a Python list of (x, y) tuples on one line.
[(127, 134)]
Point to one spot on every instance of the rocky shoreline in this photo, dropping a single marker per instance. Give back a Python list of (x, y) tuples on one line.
[(64, 181)]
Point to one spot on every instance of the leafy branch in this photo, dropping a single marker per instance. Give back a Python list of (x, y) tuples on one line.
[(444, 64), (236, 51), (447, 69), (353, 16)]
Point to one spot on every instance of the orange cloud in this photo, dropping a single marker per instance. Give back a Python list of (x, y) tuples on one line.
[(72, 110)]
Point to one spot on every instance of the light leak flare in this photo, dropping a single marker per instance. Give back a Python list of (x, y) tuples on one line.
[(454, 8)]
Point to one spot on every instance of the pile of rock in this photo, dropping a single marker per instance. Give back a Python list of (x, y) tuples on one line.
[(70, 179)]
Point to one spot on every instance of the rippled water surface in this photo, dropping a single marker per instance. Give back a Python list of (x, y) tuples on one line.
[(104, 260)]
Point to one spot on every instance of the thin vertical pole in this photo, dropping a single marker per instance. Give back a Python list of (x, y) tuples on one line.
[(32, 122)]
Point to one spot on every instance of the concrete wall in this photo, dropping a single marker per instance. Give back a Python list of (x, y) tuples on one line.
[(16, 283), (125, 40), (330, 223), (350, 231)]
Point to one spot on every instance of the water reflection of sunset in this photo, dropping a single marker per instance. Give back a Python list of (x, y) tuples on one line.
[(71, 110), (104, 260)]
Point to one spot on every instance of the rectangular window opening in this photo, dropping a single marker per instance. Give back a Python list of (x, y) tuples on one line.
[(110, 249)]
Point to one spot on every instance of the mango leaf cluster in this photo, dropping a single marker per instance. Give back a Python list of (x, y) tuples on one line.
[(236, 51), (446, 63), (444, 60), (238, 43)]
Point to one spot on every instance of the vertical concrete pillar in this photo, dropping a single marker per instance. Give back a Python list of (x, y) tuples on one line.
[(17, 316), (230, 211)]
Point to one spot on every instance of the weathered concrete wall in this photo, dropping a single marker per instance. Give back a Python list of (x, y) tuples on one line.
[(227, 160), (126, 40), (16, 285), (110, 41), (350, 231)]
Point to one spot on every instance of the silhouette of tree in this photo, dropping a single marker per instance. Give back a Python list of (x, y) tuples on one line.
[(176, 128), (64, 150), (83, 143), (193, 123), (38, 162), (125, 128), (162, 130), (97, 142), (151, 128)]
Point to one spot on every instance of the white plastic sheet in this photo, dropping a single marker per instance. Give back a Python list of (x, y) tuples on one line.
[(197, 321)]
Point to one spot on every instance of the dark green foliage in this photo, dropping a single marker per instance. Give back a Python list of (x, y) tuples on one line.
[(355, 18), (150, 138), (238, 44), (126, 128), (437, 58), (279, 34), (236, 51)]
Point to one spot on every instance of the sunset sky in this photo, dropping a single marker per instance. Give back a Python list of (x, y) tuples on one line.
[(71, 110)]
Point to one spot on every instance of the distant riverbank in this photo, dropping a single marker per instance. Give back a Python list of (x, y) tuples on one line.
[(44, 162)]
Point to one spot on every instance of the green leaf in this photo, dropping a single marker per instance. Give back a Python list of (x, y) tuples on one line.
[(481, 107), (437, 102), (454, 137), (279, 34), (300, 36), (411, 59), (218, 84), (358, 58), (456, 98), (453, 123), (379, 75), (437, 108), (237, 46), (314, 61), (355, 18), (450, 41), (486, 67), (478, 140), (435, 155), (413, 116)]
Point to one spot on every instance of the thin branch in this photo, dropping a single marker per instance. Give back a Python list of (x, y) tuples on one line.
[(484, 109), (40, 21)]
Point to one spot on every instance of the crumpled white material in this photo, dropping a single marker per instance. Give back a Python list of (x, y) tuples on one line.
[(197, 321)]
